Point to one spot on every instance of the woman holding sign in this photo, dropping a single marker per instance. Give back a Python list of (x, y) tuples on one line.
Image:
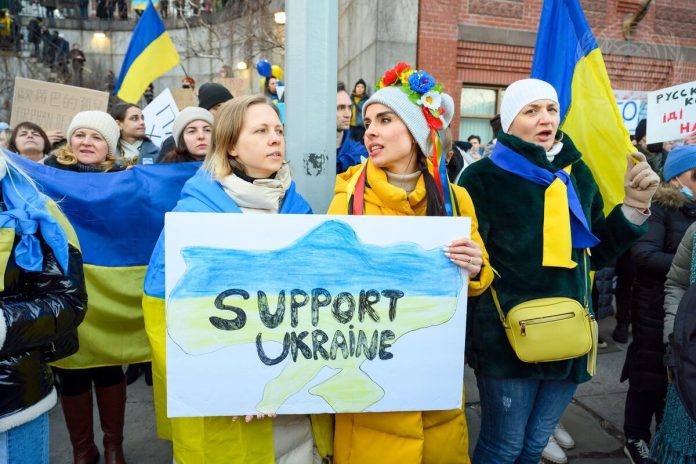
[(533, 337), (406, 176), (244, 172)]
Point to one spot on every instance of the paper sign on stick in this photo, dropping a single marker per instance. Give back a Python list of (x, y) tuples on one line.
[(672, 113), (184, 98), (159, 117), (52, 106), (297, 314)]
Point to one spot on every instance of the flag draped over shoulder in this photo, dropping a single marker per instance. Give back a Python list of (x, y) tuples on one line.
[(567, 56), (214, 439), (118, 218), (150, 54)]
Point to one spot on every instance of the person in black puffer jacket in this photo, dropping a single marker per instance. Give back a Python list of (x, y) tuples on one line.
[(673, 211), (42, 301)]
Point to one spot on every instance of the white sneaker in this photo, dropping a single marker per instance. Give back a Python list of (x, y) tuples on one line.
[(554, 453), (563, 438)]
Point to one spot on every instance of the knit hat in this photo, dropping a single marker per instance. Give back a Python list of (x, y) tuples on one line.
[(641, 129), (212, 93), (186, 117), (97, 121), (416, 102), (521, 93), (679, 160)]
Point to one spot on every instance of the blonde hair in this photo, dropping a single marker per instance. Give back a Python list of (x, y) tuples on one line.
[(65, 156), (228, 124)]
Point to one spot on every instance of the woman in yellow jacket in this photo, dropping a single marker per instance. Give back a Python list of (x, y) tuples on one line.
[(401, 121)]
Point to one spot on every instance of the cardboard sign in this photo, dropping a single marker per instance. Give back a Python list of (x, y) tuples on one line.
[(296, 314), (184, 98), (237, 86), (159, 117), (52, 106), (672, 113)]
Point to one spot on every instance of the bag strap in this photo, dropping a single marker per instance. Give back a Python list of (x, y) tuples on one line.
[(586, 304)]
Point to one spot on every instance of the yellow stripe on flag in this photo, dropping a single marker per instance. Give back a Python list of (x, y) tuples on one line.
[(158, 58), (594, 123), (113, 332)]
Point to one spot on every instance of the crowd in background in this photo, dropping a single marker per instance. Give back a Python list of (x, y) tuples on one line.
[(385, 143)]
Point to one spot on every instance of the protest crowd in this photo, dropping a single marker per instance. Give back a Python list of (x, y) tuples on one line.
[(82, 313)]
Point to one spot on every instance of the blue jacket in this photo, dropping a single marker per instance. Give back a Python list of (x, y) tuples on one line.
[(349, 153)]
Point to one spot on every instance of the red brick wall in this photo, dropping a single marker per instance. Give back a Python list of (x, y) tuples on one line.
[(437, 46), (668, 22)]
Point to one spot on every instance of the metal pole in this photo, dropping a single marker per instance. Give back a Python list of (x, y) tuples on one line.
[(311, 68)]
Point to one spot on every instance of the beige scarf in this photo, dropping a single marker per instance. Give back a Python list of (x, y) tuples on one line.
[(263, 196)]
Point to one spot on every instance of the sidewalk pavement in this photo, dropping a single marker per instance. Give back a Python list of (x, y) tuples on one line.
[(594, 418)]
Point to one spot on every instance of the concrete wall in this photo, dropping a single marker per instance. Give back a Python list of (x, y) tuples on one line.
[(373, 35)]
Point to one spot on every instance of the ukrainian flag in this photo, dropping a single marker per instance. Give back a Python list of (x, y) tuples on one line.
[(150, 54), (118, 218), (567, 56)]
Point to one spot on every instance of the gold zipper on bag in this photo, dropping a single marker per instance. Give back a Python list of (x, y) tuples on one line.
[(542, 320)]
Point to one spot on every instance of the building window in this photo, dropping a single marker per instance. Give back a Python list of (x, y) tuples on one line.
[(478, 105)]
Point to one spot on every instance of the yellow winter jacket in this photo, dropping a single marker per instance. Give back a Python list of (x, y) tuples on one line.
[(428, 437)]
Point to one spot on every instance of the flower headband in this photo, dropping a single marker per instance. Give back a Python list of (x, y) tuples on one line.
[(422, 90)]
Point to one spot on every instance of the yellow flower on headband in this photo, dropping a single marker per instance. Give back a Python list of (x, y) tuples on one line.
[(405, 75)]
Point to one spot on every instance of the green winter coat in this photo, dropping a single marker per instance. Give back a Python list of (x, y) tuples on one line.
[(510, 212)]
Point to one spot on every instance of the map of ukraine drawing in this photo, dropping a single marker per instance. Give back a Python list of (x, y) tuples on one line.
[(327, 300)]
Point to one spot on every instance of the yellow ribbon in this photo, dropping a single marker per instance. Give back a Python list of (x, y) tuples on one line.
[(7, 236), (557, 246)]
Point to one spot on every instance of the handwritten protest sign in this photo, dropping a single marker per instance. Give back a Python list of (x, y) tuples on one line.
[(309, 314), (237, 86), (160, 116), (52, 106), (184, 98), (672, 113), (630, 113)]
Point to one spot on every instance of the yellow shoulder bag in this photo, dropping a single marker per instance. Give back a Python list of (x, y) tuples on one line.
[(551, 329)]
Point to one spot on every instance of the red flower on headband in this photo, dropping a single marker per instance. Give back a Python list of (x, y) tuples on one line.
[(433, 122), (393, 75)]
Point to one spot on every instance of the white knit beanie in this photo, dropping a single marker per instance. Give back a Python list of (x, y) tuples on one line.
[(521, 93), (410, 113), (186, 117), (97, 121)]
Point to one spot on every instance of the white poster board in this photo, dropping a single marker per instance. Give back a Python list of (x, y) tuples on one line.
[(159, 117), (373, 298), (630, 113), (672, 113)]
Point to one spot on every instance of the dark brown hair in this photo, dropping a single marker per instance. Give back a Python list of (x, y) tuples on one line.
[(30, 126)]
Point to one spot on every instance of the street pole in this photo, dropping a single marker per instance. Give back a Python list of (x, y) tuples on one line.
[(310, 116)]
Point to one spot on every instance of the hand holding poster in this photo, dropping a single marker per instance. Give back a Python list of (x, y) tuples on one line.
[(309, 314), (672, 113), (159, 117), (52, 106)]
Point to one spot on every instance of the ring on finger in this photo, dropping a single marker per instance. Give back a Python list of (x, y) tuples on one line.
[(471, 260)]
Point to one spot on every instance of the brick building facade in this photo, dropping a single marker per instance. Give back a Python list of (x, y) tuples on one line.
[(478, 47)]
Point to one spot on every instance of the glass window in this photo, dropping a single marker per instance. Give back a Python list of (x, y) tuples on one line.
[(477, 107)]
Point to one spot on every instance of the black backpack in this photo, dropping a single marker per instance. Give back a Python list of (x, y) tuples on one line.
[(683, 346)]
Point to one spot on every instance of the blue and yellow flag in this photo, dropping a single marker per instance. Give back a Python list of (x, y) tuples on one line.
[(118, 218), (150, 54), (567, 56)]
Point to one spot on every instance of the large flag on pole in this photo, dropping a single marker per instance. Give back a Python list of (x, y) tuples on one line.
[(567, 56), (150, 54)]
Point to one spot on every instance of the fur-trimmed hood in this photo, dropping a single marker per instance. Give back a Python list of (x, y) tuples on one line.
[(670, 197)]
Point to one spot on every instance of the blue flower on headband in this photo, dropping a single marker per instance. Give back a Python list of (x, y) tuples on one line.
[(421, 82)]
